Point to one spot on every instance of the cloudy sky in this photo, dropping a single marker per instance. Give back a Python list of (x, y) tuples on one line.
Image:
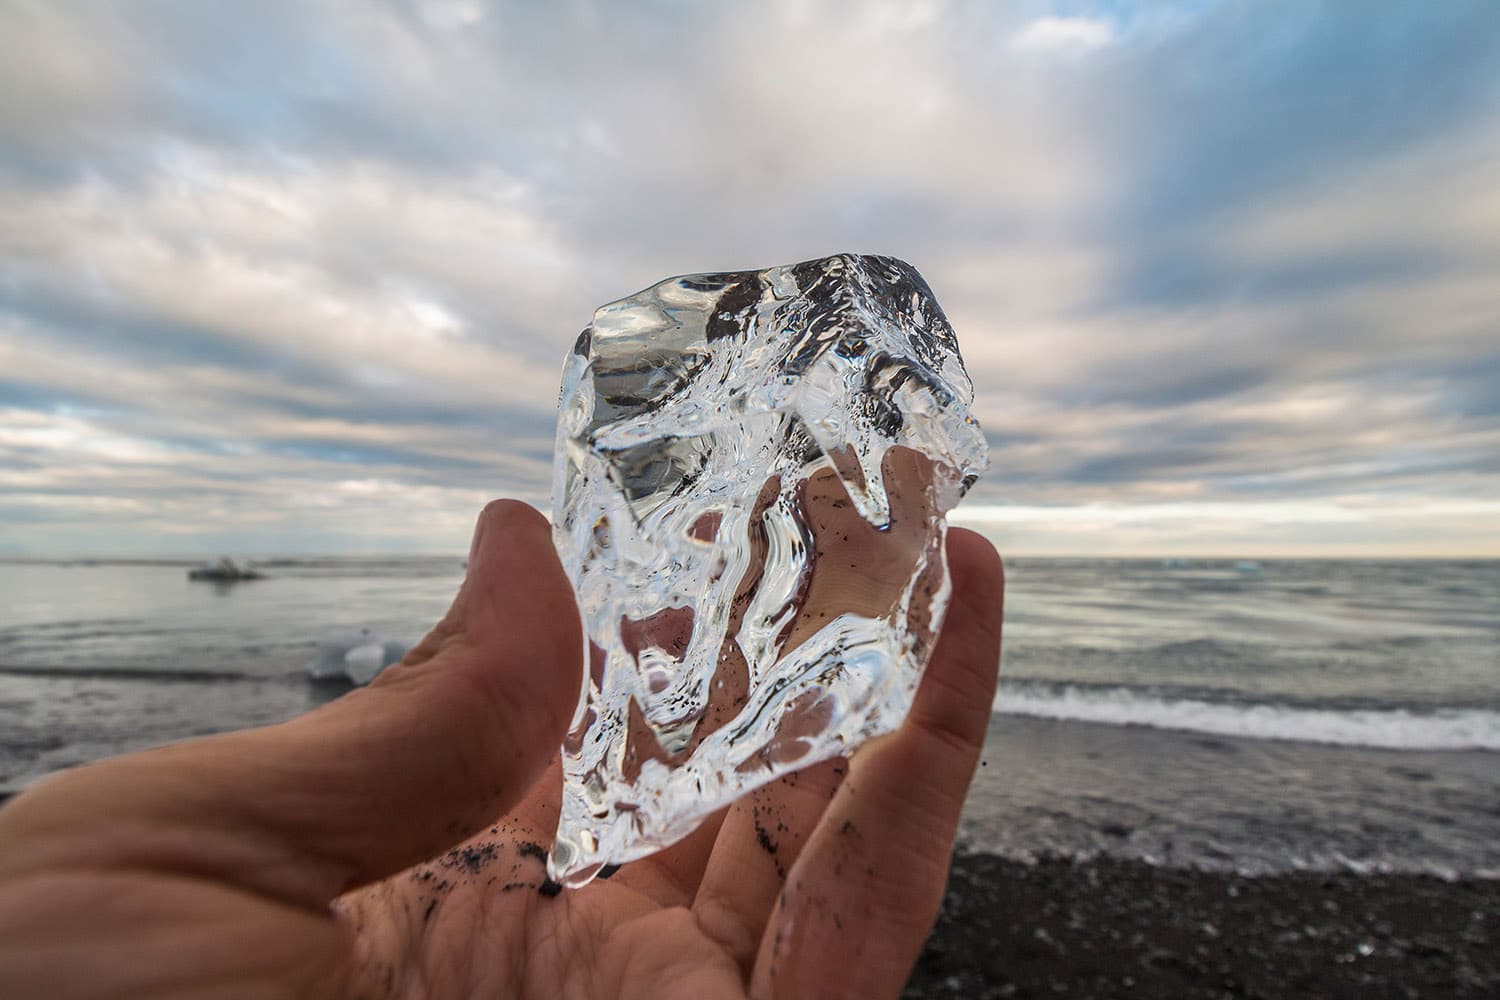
[(292, 277)]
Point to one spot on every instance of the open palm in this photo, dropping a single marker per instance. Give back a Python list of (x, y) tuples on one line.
[(356, 850)]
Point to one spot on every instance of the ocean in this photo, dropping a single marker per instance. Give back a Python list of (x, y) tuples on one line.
[(1257, 717)]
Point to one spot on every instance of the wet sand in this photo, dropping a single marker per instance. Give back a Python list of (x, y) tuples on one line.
[(1195, 800), (1123, 928)]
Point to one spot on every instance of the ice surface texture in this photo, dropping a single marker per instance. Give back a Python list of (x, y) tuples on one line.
[(752, 473)]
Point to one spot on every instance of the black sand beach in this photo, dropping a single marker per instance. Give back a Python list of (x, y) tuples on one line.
[(1121, 928), (1122, 856)]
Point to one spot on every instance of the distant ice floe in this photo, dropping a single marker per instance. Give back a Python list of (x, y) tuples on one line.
[(226, 570), (1395, 728), (356, 656)]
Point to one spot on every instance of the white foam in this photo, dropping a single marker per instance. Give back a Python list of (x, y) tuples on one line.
[(1444, 729)]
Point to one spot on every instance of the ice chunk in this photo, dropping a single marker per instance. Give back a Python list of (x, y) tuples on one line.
[(752, 474), (362, 663), (358, 657)]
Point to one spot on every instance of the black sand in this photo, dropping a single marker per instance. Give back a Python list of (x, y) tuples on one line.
[(1118, 928)]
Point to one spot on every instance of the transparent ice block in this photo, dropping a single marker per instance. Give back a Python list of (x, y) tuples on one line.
[(752, 474)]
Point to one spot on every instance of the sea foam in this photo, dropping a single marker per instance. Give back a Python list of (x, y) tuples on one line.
[(1404, 729)]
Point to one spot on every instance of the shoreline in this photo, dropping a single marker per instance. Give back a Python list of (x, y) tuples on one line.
[(1190, 800), (1112, 927)]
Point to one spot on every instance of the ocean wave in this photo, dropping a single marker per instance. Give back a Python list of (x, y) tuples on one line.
[(1402, 729), (95, 673)]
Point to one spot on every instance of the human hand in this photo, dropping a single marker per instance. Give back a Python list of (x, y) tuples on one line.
[(326, 856)]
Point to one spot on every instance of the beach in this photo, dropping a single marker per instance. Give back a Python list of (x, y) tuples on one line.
[(1201, 779), (1117, 928), (1068, 881)]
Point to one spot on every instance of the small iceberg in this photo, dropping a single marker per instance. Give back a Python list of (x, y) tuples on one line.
[(358, 657), (1246, 567), (225, 571)]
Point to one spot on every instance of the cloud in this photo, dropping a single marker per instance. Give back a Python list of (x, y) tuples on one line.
[(1198, 253), (1063, 35), (1333, 526)]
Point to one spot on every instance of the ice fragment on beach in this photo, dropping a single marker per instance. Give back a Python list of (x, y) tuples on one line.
[(752, 474), (358, 657)]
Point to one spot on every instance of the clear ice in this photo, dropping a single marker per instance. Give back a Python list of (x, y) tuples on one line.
[(752, 474)]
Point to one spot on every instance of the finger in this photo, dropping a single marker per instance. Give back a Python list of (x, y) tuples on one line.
[(671, 876), (765, 831), (132, 935), (365, 786), (860, 901), (761, 839)]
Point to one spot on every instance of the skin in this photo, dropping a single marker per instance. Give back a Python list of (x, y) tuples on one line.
[(313, 858)]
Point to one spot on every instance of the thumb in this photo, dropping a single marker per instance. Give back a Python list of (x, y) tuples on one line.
[(374, 782)]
